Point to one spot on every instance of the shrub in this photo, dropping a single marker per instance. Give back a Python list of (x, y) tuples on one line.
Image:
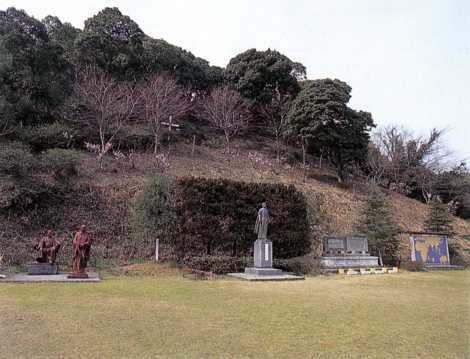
[(227, 264), (63, 165), (153, 214), (16, 159), (217, 217), (300, 265), (217, 264), (205, 217), (412, 266), (41, 138), (20, 181), (458, 256), (133, 138)]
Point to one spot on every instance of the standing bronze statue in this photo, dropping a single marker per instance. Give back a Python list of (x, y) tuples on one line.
[(48, 248), (81, 246), (262, 221)]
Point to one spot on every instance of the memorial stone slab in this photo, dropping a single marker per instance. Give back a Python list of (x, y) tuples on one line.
[(357, 245)]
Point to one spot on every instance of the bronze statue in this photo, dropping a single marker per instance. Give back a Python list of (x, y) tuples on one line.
[(262, 221), (81, 246), (48, 248)]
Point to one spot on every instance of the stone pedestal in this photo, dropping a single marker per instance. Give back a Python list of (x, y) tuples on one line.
[(262, 271), (349, 261), (346, 252), (263, 265), (77, 275), (42, 269), (263, 253)]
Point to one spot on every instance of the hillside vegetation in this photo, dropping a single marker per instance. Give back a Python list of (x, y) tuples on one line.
[(104, 198)]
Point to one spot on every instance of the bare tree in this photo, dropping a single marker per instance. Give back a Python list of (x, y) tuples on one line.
[(161, 99), (226, 110), (104, 104), (398, 159), (275, 116)]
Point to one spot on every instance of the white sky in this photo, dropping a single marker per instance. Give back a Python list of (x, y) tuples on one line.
[(408, 62)]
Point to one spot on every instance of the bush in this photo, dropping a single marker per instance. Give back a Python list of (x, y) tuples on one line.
[(16, 160), (226, 264), (205, 217), (41, 138), (63, 165), (133, 138), (153, 214), (412, 266), (217, 217), (300, 265), (458, 256), (20, 181), (217, 264), (24, 176)]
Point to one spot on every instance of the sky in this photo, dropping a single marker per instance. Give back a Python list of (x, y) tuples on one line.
[(408, 62)]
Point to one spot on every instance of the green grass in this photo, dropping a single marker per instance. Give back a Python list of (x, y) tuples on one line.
[(407, 315)]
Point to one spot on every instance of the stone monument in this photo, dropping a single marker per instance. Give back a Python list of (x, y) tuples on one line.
[(45, 264), (81, 246), (263, 254), (346, 252)]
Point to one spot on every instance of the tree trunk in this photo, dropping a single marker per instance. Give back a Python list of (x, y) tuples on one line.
[(227, 140), (381, 262), (155, 149), (278, 149), (304, 160)]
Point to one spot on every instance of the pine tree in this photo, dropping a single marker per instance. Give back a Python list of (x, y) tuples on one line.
[(378, 225), (439, 218)]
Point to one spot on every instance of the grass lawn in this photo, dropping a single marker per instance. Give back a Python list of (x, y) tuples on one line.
[(407, 315)]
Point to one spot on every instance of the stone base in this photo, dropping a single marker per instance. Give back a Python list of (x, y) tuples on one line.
[(62, 277), (42, 269), (436, 267), (351, 261), (264, 278), (77, 275), (262, 271)]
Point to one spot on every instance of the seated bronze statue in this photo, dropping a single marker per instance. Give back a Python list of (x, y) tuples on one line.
[(48, 248)]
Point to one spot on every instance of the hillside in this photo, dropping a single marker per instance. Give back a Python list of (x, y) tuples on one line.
[(104, 197), (340, 206)]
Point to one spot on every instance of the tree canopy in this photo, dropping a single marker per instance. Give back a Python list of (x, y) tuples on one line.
[(257, 75), (35, 78), (320, 114)]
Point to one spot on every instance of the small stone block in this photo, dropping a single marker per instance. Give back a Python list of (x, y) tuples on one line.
[(42, 269), (262, 271)]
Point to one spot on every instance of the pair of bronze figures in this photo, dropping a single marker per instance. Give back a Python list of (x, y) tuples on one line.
[(49, 247)]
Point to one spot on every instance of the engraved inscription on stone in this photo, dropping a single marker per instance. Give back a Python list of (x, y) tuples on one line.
[(357, 244), (333, 243)]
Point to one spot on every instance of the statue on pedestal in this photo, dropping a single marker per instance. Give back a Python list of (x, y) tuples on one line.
[(262, 221), (81, 246), (48, 248)]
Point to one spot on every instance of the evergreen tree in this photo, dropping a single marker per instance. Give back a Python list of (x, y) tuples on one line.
[(377, 224), (320, 114), (439, 218)]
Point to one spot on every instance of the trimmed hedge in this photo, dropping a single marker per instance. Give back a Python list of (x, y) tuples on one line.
[(217, 264), (226, 264), (217, 217)]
